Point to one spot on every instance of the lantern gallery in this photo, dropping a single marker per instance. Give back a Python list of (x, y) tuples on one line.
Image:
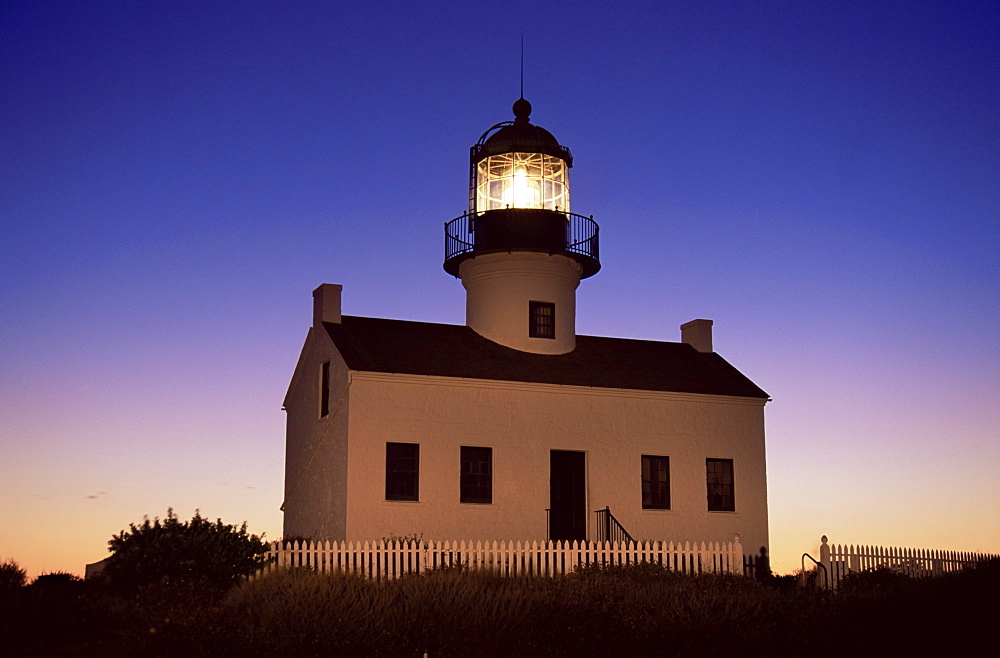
[(513, 427)]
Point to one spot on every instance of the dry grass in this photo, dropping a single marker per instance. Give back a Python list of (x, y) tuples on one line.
[(595, 613)]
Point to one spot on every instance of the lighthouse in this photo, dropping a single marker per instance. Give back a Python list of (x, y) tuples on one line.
[(511, 427), (518, 250)]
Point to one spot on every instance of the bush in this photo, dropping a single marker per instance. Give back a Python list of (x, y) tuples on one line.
[(875, 581), (210, 554), (56, 579), (12, 577), (639, 570)]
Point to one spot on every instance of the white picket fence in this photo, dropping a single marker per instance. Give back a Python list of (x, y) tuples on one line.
[(839, 560), (394, 558)]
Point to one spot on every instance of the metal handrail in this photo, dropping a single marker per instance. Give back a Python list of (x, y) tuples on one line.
[(826, 574), (609, 529), (581, 235)]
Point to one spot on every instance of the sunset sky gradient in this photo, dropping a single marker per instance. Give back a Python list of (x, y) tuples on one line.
[(820, 179)]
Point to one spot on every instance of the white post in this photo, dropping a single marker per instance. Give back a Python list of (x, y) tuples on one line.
[(824, 578)]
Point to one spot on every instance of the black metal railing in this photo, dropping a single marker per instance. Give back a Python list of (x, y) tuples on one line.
[(819, 565), (609, 529), (579, 238), (458, 236)]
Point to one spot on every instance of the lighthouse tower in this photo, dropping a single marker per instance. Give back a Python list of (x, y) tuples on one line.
[(519, 251)]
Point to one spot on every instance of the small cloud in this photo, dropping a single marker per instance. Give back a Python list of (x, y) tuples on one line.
[(91, 496), (97, 495), (249, 487)]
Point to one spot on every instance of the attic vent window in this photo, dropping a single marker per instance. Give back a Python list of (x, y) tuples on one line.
[(324, 391), (541, 320)]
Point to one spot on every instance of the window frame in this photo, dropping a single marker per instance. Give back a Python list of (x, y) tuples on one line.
[(324, 390), (648, 502), (721, 493), (540, 323), (401, 483), (475, 487)]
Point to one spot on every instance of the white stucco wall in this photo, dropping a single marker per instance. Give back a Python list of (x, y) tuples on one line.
[(499, 288), (315, 500), (522, 423)]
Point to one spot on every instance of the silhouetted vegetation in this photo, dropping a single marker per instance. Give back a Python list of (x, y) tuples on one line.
[(12, 576), (213, 555), (596, 612)]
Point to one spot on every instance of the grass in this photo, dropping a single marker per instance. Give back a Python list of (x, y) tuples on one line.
[(592, 613)]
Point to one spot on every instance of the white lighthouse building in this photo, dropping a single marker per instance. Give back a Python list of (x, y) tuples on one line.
[(519, 251), (514, 427)]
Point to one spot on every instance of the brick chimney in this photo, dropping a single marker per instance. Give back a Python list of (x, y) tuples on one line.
[(697, 334), (326, 303)]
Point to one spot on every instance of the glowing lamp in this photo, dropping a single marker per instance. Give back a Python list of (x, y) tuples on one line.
[(522, 180)]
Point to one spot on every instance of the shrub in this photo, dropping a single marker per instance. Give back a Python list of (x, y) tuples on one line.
[(786, 581), (875, 581), (639, 570), (212, 554), (56, 579), (12, 577)]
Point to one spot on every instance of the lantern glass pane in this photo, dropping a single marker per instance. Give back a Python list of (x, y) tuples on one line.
[(522, 180)]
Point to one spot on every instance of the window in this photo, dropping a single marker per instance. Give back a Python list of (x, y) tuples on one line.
[(721, 496), (402, 470), (324, 391), (655, 482), (477, 475), (541, 320)]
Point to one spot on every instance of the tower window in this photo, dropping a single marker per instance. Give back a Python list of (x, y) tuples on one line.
[(721, 494), (477, 475), (541, 320), (402, 471), (324, 390), (655, 482)]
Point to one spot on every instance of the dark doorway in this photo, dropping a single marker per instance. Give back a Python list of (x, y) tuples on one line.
[(567, 495)]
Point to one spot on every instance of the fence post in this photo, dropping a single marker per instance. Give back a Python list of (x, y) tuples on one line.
[(824, 559), (736, 559)]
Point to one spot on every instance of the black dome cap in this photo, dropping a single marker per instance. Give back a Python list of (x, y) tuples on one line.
[(520, 136)]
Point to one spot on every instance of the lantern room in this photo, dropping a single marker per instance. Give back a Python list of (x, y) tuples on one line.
[(516, 164), (519, 199), (521, 180)]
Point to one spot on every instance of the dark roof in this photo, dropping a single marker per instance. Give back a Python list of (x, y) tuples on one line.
[(446, 350), (519, 135), (522, 137)]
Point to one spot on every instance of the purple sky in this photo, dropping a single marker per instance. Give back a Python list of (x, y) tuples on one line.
[(821, 179)]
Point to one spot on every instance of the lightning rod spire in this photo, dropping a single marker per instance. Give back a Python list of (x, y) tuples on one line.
[(522, 65)]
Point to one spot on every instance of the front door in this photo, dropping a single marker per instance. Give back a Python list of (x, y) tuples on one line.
[(567, 495)]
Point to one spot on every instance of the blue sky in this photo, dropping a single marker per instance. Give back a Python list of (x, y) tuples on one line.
[(820, 179)]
